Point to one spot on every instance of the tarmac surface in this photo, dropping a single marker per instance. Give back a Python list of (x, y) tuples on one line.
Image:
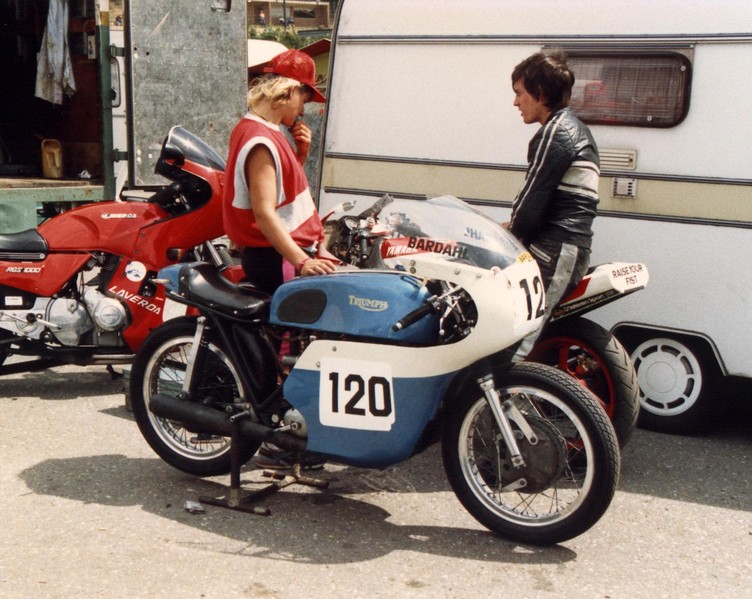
[(89, 511)]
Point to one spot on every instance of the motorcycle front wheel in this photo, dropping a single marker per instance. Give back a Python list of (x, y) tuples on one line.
[(570, 471), (589, 353), (160, 367)]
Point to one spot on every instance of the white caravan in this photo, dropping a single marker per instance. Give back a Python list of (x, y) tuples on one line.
[(420, 104)]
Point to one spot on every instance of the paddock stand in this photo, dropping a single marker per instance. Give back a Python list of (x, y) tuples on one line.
[(236, 500)]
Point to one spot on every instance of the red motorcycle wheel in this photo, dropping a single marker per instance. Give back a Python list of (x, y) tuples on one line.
[(592, 355)]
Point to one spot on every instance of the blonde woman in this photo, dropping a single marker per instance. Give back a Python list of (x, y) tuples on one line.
[(268, 208)]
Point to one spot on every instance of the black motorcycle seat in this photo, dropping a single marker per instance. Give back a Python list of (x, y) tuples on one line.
[(203, 284), (25, 245)]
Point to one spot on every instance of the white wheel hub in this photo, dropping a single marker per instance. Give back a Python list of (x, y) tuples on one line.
[(669, 375)]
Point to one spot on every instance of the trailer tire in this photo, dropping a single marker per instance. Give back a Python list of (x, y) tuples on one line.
[(679, 380)]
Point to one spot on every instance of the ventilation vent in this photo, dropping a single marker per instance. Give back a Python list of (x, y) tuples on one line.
[(624, 187), (618, 160)]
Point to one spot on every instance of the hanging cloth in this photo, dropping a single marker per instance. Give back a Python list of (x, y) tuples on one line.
[(54, 66)]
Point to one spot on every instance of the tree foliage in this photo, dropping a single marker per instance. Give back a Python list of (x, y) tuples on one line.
[(288, 37)]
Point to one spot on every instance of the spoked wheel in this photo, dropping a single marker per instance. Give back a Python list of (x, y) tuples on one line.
[(570, 470), (592, 355), (160, 367)]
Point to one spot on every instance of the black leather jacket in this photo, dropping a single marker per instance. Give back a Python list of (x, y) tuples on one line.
[(559, 198)]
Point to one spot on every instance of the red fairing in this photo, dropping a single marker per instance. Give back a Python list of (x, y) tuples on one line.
[(188, 230), (43, 278), (111, 227), (137, 230), (146, 311)]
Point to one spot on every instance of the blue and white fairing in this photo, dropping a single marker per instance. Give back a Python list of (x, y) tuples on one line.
[(368, 403), (368, 394), (358, 303)]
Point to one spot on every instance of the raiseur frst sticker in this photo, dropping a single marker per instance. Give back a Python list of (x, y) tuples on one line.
[(356, 394), (135, 271)]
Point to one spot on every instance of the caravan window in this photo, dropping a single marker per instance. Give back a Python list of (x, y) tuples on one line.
[(633, 89)]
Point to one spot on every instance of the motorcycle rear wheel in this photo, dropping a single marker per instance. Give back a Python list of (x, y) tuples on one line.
[(592, 355), (570, 474), (160, 367)]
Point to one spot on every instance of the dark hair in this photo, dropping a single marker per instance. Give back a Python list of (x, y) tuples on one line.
[(546, 74)]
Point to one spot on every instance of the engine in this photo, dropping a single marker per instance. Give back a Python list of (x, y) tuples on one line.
[(67, 320), (109, 313)]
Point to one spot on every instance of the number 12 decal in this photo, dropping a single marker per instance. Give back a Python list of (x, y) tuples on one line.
[(356, 394), (536, 297)]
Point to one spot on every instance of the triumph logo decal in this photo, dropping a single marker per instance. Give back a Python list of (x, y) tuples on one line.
[(114, 215), (369, 305)]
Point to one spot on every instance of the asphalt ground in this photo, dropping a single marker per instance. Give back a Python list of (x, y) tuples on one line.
[(89, 511)]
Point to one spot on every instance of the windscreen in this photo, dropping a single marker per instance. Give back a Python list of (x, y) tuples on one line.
[(444, 225), (195, 149)]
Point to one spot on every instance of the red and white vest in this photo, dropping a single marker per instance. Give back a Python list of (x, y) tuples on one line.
[(294, 202)]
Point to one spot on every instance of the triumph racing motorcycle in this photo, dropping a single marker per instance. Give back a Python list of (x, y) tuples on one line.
[(79, 289), (369, 367), (391, 228)]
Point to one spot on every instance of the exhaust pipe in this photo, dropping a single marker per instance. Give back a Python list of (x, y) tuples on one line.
[(209, 420)]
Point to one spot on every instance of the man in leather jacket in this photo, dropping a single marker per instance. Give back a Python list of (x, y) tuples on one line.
[(553, 212)]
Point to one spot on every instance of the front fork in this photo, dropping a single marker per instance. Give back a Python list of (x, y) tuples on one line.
[(506, 412), (194, 359)]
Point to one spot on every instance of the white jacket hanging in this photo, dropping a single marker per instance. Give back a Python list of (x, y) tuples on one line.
[(54, 67)]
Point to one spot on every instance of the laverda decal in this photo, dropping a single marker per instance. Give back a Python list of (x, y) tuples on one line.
[(24, 270), (136, 299), (356, 394), (114, 215), (369, 305), (447, 248)]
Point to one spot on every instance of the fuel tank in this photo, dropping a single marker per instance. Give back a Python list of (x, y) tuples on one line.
[(356, 303)]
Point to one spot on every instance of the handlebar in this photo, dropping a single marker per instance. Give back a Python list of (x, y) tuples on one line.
[(412, 317)]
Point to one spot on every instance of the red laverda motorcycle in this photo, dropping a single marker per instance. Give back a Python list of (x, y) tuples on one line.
[(79, 288)]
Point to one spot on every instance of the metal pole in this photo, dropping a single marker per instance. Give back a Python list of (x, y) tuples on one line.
[(105, 98), (284, 12)]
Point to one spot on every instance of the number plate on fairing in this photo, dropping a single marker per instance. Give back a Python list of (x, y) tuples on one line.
[(356, 394)]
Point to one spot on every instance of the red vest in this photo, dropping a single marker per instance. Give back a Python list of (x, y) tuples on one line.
[(294, 202)]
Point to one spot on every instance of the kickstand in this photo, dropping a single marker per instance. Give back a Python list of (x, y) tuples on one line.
[(114, 375), (235, 500)]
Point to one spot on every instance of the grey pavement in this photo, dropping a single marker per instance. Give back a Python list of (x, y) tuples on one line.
[(89, 511)]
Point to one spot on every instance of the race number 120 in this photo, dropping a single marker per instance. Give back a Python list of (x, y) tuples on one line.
[(356, 394)]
